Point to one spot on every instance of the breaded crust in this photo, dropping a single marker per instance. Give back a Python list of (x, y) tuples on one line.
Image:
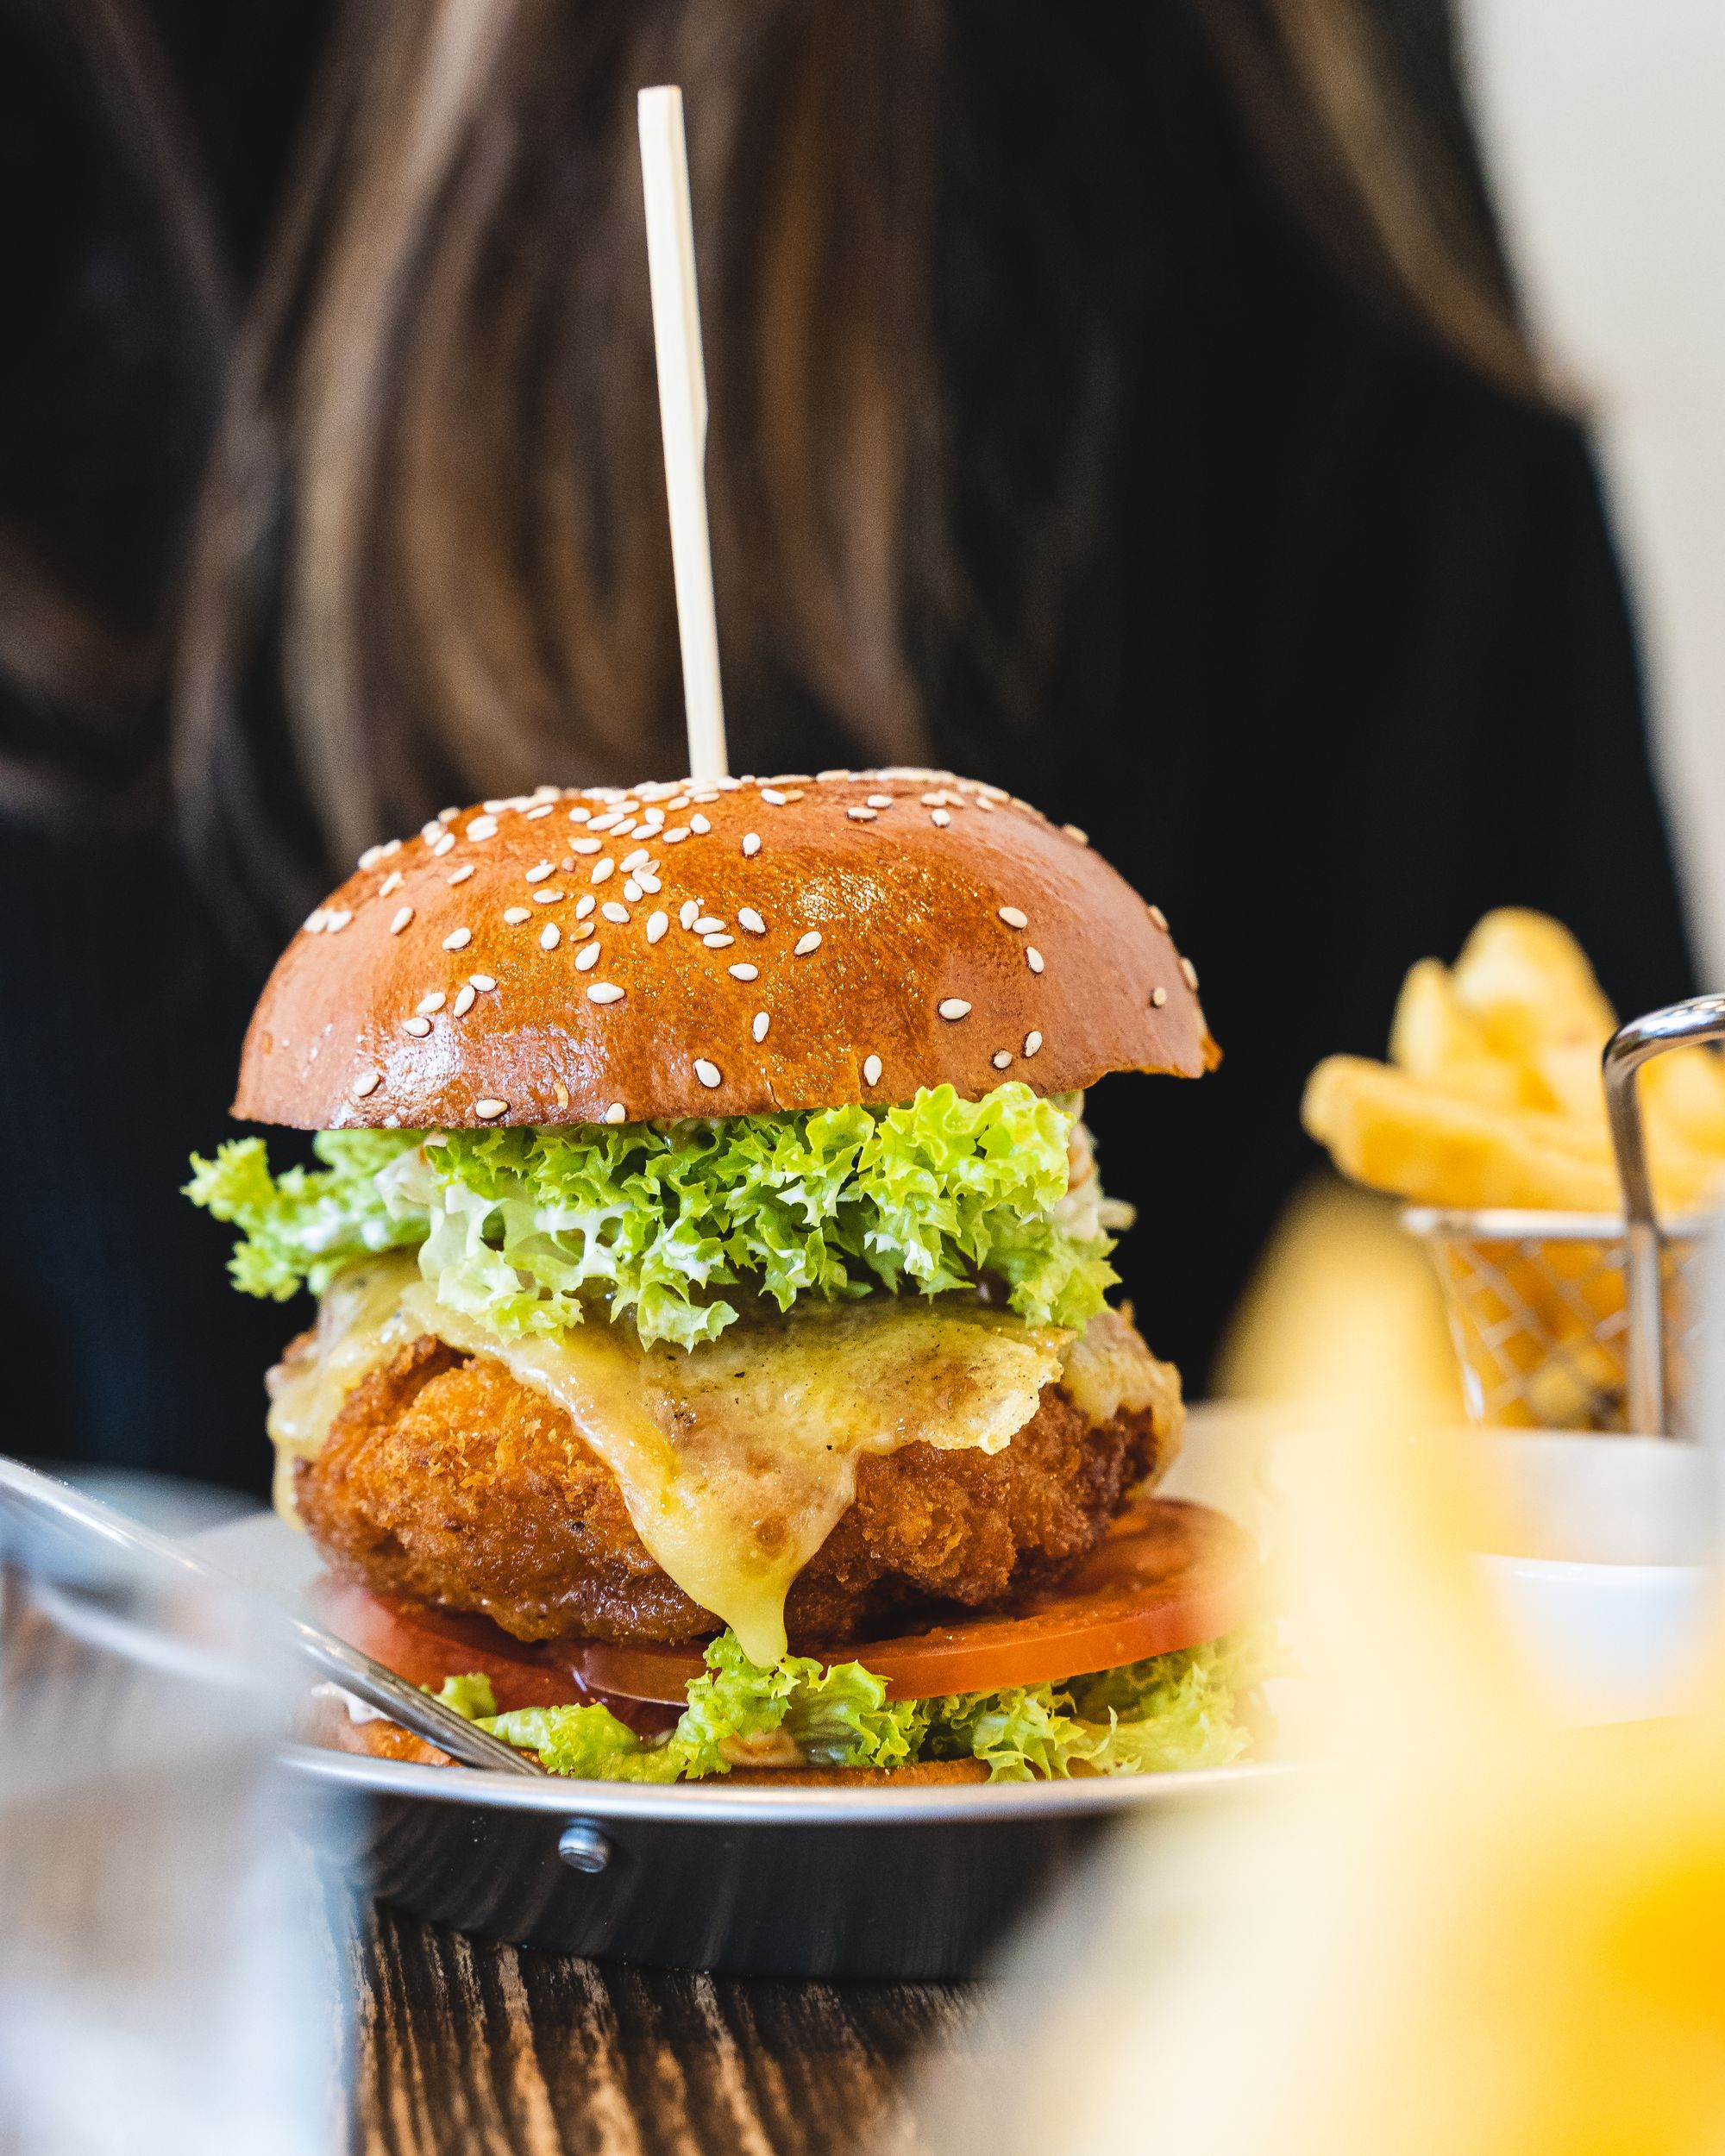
[(446, 1479)]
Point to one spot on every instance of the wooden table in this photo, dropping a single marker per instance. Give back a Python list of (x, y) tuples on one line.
[(464, 2046)]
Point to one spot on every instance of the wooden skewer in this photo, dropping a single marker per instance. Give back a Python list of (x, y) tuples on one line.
[(682, 416)]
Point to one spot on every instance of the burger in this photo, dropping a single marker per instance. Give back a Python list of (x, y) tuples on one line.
[(713, 1370)]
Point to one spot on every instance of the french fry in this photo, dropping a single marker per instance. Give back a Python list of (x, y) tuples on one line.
[(1528, 981), (1393, 1132), (1436, 1037)]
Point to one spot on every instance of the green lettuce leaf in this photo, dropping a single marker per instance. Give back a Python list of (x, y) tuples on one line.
[(525, 1228), (469, 1695), (1173, 1711), (301, 1227)]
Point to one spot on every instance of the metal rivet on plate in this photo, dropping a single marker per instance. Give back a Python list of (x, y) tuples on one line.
[(582, 1847)]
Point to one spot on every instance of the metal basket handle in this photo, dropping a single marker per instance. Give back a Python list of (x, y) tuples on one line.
[(1682, 1025)]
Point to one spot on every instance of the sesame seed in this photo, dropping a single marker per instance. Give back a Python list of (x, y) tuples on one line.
[(605, 992), (444, 845), (677, 801), (335, 920), (602, 870), (460, 874), (314, 922), (939, 818), (534, 814), (1159, 918), (1073, 832), (983, 802), (435, 1001), (464, 1001), (699, 823), (749, 918), (458, 939), (1001, 1058), (587, 955), (418, 1027), (651, 821), (482, 981), (805, 944), (496, 808), (584, 845), (718, 942), (482, 827), (561, 1092), (871, 1070), (605, 822), (861, 815), (1014, 918), (954, 1007), (393, 881), (1158, 997), (759, 1024), (538, 874), (707, 923), (624, 830), (585, 905), (751, 845), (550, 935), (581, 929), (743, 972), (631, 891), (403, 916), (650, 883), (550, 898), (489, 1111), (772, 794), (366, 1087), (430, 832), (1191, 974), (515, 915), (657, 925), (581, 815), (676, 835), (1033, 958), (371, 858), (1033, 1042), (879, 800), (825, 778), (638, 859), (615, 1113), (687, 913), (706, 1072), (611, 911)]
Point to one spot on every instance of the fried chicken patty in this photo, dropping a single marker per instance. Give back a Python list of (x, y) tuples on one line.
[(445, 1478)]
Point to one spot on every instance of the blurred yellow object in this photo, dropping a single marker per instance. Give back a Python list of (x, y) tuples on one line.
[(1493, 1101), (1341, 1298), (1475, 1933)]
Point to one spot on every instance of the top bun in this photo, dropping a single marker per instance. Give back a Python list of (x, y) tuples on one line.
[(575, 956)]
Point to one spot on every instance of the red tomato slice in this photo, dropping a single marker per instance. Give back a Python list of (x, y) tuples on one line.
[(1168, 1574)]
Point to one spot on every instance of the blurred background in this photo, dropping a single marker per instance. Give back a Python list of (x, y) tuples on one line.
[(1135, 407)]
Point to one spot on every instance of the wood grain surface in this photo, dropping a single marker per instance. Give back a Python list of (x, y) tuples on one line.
[(465, 2046)]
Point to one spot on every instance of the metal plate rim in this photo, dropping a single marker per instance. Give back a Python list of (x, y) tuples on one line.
[(711, 1803)]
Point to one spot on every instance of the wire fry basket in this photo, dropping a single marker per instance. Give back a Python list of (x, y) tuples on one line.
[(1539, 1316), (1576, 1320)]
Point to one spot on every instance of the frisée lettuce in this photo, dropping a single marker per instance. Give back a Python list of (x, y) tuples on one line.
[(525, 1227), (1173, 1711)]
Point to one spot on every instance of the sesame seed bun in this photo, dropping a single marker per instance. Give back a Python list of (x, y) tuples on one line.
[(890, 930)]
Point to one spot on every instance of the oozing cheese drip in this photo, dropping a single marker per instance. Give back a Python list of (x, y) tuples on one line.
[(737, 1459)]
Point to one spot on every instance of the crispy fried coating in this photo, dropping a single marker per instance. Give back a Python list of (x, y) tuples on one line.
[(445, 1478)]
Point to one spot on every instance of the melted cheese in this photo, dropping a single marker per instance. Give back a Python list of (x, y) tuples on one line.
[(737, 1459)]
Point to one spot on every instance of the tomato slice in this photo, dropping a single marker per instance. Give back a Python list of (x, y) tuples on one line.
[(1168, 1574), (425, 1646)]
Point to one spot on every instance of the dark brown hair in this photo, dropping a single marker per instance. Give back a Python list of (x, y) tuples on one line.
[(431, 558)]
